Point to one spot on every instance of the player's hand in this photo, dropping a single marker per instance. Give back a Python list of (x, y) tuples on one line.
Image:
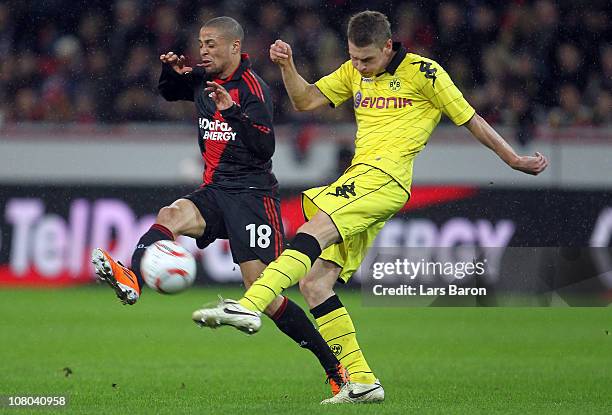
[(219, 95), (531, 164), (280, 53), (177, 62)]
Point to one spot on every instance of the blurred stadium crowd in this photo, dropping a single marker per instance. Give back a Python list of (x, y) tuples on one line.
[(518, 62)]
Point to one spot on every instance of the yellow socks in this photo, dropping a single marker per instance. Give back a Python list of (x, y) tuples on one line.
[(336, 327), (290, 267)]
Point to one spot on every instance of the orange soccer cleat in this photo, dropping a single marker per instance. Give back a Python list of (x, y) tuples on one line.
[(337, 378), (119, 277)]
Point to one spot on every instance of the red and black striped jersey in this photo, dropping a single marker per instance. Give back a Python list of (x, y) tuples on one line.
[(236, 144)]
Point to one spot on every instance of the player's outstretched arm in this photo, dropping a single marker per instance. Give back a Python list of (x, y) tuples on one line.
[(489, 137), (175, 81), (304, 96)]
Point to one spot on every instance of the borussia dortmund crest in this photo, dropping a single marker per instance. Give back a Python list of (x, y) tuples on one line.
[(395, 84), (336, 349)]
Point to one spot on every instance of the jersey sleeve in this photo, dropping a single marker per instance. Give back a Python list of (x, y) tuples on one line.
[(440, 90), (253, 122), (337, 85), (179, 87)]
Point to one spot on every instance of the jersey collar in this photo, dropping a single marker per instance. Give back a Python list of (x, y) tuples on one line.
[(400, 54), (245, 63)]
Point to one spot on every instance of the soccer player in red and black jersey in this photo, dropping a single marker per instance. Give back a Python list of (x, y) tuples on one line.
[(238, 199)]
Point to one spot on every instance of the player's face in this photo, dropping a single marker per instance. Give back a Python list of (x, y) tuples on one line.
[(215, 50), (370, 60)]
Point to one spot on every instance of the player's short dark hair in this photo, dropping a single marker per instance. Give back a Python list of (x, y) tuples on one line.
[(369, 28), (228, 26)]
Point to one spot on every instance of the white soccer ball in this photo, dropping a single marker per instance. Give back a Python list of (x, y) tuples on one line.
[(167, 267)]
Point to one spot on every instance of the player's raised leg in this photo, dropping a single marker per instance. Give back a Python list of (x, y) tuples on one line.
[(336, 327), (291, 266), (180, 218)]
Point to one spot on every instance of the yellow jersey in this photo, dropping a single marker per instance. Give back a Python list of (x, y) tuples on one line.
[(397, 110)]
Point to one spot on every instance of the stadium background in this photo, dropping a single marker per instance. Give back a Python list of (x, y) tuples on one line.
[(89, 152)]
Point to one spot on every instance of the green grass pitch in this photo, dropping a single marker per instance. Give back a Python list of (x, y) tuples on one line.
[(151, 359)]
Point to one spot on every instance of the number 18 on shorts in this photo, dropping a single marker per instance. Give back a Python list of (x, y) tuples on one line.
[(251, 221)]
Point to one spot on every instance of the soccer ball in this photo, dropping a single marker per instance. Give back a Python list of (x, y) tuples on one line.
[(167, 267)]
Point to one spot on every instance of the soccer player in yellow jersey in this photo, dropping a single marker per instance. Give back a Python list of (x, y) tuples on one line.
[(399, 98)]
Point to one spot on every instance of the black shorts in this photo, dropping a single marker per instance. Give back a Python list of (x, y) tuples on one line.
[(251, 221)]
